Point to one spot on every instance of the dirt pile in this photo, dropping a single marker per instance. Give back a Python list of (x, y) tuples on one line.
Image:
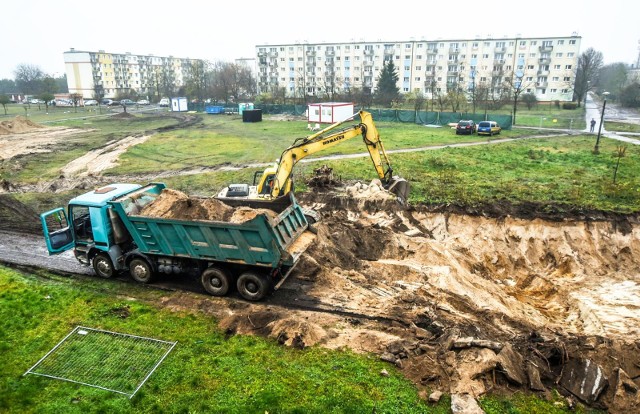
[(123, 115), (469, 304), (173, 204), (18, 125)]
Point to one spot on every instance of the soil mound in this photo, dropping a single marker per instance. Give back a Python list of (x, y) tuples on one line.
[(123, 115), (18, 125), (173, 204)]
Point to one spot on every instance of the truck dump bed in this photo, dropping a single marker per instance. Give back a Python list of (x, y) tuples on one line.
[(264, 240)]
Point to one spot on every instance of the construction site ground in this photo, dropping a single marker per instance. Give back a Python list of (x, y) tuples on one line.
[(467, 301)]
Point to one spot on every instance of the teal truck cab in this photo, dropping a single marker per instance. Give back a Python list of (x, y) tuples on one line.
[(105, 230)]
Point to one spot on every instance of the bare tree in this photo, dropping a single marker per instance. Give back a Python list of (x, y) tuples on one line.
[(586, 76), (75, 98), (514, 83), (28, 78)]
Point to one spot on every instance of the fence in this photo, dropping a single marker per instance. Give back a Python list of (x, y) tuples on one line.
[(390, 115)]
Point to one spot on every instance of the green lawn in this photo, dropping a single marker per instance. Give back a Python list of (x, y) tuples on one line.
[(206, 372), (621, 127), (56, 115)]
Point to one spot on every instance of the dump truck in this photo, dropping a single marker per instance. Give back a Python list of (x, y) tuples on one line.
[(105, 229)]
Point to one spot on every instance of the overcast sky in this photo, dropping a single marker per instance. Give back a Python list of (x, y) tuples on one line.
[(39, 31)]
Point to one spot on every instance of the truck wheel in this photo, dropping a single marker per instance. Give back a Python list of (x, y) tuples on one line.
[(140, 270), (253, 286), (215, 281), (103, 266)]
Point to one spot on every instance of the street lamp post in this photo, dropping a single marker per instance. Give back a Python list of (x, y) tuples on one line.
[(596, 149)]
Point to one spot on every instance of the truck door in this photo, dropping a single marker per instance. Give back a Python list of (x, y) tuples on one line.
[(57, 232)]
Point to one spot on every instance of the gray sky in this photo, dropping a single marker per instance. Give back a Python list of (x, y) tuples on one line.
[(39, 31)]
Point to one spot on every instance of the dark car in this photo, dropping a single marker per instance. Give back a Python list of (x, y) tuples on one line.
[(127, 102), (466, 127)]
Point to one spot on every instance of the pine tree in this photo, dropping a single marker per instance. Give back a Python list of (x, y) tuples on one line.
[(387, 90)]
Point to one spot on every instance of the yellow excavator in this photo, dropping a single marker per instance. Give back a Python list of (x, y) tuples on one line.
[(277, 180)]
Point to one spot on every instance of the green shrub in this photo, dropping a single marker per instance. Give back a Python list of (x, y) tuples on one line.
[(569, 105)]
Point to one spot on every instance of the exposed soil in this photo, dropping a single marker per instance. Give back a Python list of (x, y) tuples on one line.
[(462, 303), (175, 204), (101, 159), (19, 125)]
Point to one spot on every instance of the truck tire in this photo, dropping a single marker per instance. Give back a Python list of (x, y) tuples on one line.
[(140, 270), (103, 266), (215, 281), (253, 286)]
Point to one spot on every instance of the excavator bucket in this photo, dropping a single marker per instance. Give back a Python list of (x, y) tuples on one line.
[(400, 187)]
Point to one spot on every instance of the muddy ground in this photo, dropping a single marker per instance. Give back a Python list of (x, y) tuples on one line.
[(493, 298)]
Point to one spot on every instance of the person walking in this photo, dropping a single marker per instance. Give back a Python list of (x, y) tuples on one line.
[(593, 124)]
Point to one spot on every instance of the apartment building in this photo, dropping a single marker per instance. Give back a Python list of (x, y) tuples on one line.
[(545, 66), (106, 75)]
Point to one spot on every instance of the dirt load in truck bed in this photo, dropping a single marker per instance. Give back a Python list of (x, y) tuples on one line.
[(174, 204)]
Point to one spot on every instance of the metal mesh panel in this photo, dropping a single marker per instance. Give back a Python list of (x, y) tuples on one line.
[(107, 360)]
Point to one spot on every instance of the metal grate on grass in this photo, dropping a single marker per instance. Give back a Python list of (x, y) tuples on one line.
[(107, 360)]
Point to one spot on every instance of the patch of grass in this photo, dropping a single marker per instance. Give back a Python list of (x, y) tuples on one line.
[(36, 167), (621, 127), (206, 371)]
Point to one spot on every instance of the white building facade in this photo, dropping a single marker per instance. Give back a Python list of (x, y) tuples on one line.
[(544, 66), (105, 75)]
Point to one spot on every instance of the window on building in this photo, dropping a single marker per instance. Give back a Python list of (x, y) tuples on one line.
[(572, 42), (417, 78), (555, 79), (561, 42), (567, 67), (570, 54), (567, 79), (565, 91), (530, 67), (559, 54), (553, 90), (523, 43), (529, 78)]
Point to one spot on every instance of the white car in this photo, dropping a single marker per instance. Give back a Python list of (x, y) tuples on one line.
[(164, 102), (90, 102), (143, 102)]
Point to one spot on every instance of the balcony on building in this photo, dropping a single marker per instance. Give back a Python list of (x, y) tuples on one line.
[(544, 61), (368, 52), (310, 52), (543, 72), (388, 52), (546, 48), (329, 53), (454, 50), (273, 54), (432, 51), (500, 49), (542, 84)]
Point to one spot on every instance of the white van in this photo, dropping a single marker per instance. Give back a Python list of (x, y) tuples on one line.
[(164, 102)]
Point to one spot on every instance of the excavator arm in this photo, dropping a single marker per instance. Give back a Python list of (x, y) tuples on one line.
[(329, 137)]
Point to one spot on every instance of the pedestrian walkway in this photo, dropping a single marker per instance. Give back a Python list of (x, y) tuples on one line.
[(594, 111)]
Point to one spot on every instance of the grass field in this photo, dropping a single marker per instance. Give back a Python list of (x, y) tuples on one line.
[(621, 127), (559, 170), (206, 372)]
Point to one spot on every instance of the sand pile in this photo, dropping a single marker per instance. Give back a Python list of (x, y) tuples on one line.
[(18, 125), (177, 205)]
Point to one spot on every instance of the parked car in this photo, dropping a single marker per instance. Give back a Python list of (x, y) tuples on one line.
[(36, 101), (127, 102), (90, 102), (143, 102), (466, 127), (114, 103), (164, 102), (488, 128)]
